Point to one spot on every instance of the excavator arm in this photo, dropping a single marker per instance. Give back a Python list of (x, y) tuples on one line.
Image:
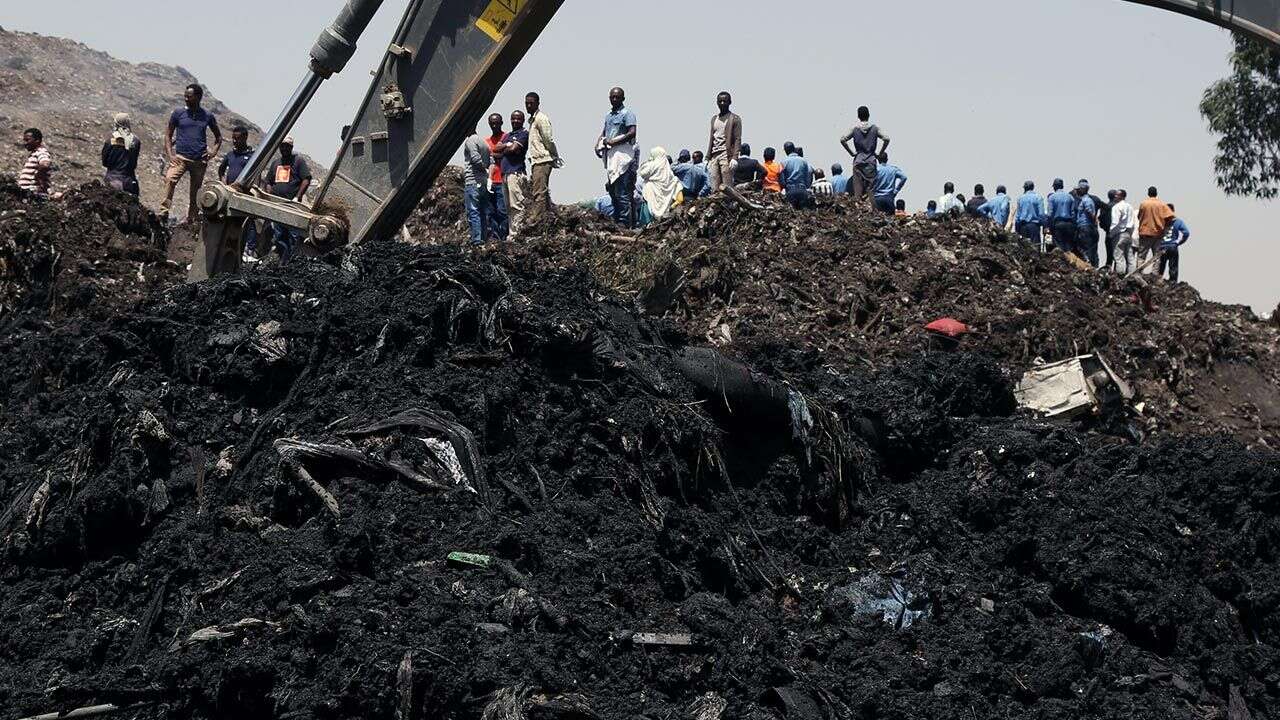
[(439, 74)]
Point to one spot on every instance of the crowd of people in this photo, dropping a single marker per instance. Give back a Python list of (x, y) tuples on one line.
[(507, 182)]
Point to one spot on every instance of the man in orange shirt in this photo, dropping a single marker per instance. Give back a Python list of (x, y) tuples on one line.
[(1154, 217), (498, 208), (772, 171)]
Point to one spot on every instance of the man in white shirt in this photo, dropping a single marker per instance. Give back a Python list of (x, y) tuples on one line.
[(1120, 239), (949, 203), (821, 185)]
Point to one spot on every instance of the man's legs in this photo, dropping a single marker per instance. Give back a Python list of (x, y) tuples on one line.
[(517, 187), (197, 170), (1123, 264), (1112, 239), (620, 198), (1087, 244), (172, 176), (1170, 258), (1147, 248), (498, 212), (1064, 235), (721, 175), (475, 213), (539, 200), (885, 205), (800, 199)]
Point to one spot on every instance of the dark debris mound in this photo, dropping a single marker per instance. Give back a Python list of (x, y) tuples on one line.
[(240, 500), (859, 287), (93, 250)]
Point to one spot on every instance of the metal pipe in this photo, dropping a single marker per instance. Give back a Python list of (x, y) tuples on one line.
[(279, 130), (337, 44)]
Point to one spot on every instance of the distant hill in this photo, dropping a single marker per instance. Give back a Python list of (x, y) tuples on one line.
[(70, 91)]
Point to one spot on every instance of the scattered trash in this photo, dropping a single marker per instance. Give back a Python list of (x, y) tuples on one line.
[(886, 598), (462, 559), (1081, 385)]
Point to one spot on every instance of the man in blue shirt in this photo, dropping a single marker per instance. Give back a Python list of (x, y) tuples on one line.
[(229, 171), (889, 182), (839, 181), (1086, 224), (1177, 236), (797, 178), (186, 145), (1062, 217), (997, 208), (692, 176), (513, 150), (617, 146), (1030, 219)]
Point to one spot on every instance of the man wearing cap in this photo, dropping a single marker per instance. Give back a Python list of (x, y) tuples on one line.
[(1030, 219), (288, 178), (1086, 224)]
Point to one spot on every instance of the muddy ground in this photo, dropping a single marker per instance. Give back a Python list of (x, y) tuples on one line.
[(239, 499)]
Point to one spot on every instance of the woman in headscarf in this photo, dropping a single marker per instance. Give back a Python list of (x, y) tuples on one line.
[(120, 156), (662, 189)]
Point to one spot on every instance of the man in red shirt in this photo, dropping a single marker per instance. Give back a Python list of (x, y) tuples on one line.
[(498, 208)]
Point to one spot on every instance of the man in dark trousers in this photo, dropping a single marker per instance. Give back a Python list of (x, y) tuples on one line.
[(865, 136), (233, 163), (288, 177), (1062, 217)]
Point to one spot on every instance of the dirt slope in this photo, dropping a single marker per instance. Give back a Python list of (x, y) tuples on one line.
[(71, 91)]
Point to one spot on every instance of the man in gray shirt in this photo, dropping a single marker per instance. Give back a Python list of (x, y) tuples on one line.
[(865, 136), (477, 196)]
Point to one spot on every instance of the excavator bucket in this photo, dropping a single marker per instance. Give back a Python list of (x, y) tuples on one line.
[(438, 77)]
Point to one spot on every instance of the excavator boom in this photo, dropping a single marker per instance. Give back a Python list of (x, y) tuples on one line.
[(439, 74)]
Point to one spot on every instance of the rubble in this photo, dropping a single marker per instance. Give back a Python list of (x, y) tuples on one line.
[(857, 288), (827, 536)]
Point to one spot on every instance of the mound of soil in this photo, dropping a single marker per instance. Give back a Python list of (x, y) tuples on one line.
[(92, 251), (244, 499), (859, 287)]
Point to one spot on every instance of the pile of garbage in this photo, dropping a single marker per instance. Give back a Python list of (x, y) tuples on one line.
[(91, 251), (859, 288), (424, 482)]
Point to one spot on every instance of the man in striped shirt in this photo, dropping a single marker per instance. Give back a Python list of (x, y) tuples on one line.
[(35, 176)]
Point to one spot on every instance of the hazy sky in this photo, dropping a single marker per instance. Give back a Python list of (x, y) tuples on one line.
[(997, 91)]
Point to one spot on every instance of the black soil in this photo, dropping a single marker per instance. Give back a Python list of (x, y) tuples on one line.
[(913, 549)]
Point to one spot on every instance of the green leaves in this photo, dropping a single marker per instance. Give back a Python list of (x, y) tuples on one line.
[(1244, 111)]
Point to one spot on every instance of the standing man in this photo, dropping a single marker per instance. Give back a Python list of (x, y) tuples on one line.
[(797, 178), (839, 181), (229, 170), (288, 177), (865, 136), (949, 203), (37, 173), (725, 144), (889, 182), (978, 200), (821, 185), (772, 171), (1178, 236), (497, 194), (997, 208), (748, 169), (543, 157), (1086, 224), (186, 145), (617, 147), (1120, 239), (1104, 221), (513, 150), (1154, 218), (692, 177), (475, 179), (1062, 217), (1030, 220)]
